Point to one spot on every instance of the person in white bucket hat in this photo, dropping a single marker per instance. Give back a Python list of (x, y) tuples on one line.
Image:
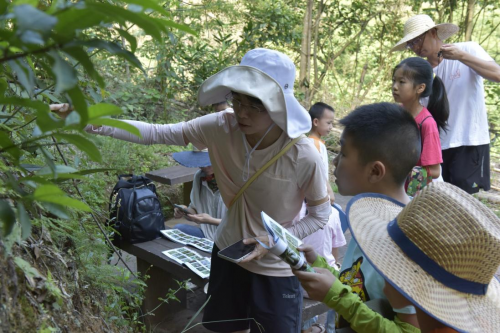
[(267, 120), (461, 67)]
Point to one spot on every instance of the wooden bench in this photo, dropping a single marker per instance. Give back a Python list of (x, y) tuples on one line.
[(175, 175), (163, 273)]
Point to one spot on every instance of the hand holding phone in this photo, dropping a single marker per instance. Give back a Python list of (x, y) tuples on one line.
[(236, 252), (182, 209)]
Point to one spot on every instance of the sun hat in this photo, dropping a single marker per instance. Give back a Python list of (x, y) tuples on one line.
[(441, 252), (267, 75), (193, 159), (418, 24)]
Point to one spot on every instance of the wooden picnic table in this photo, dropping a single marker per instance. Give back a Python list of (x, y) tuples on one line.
[(175, 175), (163, 273)]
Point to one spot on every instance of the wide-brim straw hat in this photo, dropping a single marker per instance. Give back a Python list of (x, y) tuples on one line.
[(418, 24), (441, 252), (267, 75), (192, 159)]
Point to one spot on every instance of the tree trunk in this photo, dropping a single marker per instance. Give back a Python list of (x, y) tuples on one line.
[(305, 53), (468, 23)]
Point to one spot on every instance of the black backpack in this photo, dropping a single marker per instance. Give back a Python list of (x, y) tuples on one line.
[(135, 211)]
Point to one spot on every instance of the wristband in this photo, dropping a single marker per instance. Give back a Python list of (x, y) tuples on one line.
[(409, 309)]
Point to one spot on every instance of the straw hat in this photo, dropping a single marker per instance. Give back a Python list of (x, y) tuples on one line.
[(419, 24), (441, 252), (267, 75)]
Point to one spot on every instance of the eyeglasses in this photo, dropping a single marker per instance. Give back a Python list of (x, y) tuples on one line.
[(415, 41), (238, 106)]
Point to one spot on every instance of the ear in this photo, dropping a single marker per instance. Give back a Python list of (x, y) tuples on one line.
[(421, 88), (376, 171), (315, 121)]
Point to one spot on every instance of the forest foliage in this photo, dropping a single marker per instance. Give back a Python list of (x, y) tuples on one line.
[(145, 59)]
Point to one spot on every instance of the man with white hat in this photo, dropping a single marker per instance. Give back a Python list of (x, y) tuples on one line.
[(267, 122), (461, 67)]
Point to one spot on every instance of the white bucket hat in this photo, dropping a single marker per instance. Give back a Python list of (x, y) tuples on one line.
[(418, 24), (267, 75), (441, 252)]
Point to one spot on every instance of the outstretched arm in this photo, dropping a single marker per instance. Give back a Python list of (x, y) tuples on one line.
[(170, 134)]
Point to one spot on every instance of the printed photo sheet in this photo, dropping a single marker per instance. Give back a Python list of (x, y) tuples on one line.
[(185, 256), (178, 236)]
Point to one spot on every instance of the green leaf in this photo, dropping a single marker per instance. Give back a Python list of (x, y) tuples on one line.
[(26, 102), (124, 15), (90, 171), (33, 3), (30, 18), (7, 144), (112, 48), (79, 103), (80, 55), (118, 124), (130, 39), (59, 168), (29, 271), (83, 144), (24, 219), (149, 4), (103, 110), (66, 77), (167, 23), (7, 216), (74, 19), (3, 86), (47, 121), (58, 210), (53, 194), (24, 74)]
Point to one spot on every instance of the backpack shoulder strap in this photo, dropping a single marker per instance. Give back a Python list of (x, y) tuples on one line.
[(420, 130), (261, 170), (420, 125)]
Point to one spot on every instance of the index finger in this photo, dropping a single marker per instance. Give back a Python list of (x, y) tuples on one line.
[(254, 254), (304, 276), (249, 241)]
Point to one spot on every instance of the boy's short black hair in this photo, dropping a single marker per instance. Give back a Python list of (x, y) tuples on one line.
[(385, 132), (317, 110)]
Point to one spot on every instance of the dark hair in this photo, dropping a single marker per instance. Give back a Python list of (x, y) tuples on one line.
[(385, 132), (420, 71), (317, 110)]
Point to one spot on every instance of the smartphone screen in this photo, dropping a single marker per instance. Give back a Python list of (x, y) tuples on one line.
[(237, 251)]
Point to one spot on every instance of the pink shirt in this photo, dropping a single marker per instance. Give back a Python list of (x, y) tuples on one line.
[(330, 237), (431, 148)]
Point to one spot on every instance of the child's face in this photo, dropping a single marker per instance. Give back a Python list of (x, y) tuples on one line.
[(351, 175), (324, 125), (403, 89), (207, 170)]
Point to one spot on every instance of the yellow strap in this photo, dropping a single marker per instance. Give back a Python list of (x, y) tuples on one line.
[(261, 170)]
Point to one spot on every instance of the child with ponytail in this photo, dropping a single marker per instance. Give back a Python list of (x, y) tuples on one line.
[(413, 80)]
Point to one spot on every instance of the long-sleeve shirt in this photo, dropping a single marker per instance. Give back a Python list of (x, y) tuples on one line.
[(361, 318), (279, 191)]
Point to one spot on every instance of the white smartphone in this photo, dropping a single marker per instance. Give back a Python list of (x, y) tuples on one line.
[(236, 252)]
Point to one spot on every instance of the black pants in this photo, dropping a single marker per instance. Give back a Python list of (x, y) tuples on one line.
[(235, 293), (467, 167)]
